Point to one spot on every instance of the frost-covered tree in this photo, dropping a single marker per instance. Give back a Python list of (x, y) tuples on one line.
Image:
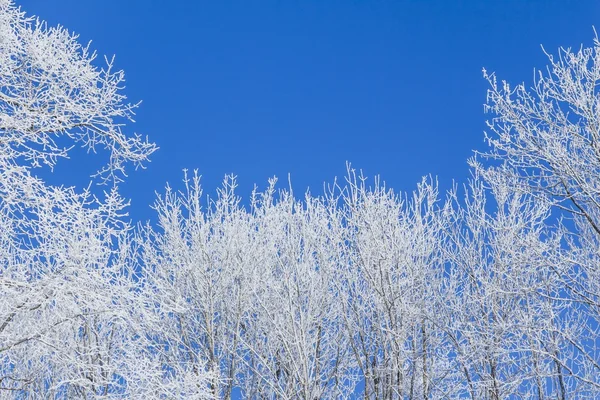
[(250, 293), (72, 321), (53, 96), (499, 292), (546, 139), (388, 283)]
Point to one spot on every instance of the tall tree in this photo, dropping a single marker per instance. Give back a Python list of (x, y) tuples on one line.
[(72, 322), (547, 141)]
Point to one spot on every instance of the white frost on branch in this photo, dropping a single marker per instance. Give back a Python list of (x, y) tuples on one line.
[(50, 88)]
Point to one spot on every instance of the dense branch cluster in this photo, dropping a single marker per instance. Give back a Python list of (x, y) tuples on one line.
[(490, 291)]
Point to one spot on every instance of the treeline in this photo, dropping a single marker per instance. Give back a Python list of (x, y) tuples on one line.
[(490, 291)]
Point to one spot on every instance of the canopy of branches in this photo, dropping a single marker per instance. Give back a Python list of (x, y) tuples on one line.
[(490, 291)]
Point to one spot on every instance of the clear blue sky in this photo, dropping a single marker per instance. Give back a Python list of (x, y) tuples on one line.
[(263, 88)]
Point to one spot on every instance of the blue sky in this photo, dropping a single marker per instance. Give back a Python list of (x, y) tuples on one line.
[(263, 88)]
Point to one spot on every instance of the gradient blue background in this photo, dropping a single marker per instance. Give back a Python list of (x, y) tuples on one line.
[(263, 88)]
